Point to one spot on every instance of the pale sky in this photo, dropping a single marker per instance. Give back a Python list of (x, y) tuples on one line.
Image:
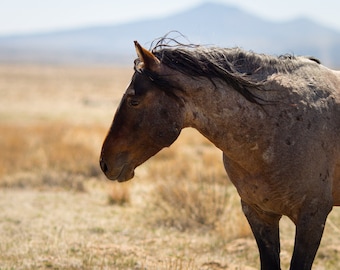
[(28, 16)]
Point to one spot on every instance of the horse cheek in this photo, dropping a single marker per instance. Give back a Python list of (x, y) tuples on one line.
[(165, 129)]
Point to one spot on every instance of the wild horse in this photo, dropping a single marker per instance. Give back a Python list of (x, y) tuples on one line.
[(276, 120)]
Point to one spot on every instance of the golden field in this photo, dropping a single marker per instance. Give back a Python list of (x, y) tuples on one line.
[(57, 210)]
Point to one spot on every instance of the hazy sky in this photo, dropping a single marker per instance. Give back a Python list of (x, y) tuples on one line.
[(25, 16)]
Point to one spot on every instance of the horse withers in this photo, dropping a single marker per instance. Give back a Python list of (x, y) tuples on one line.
[(276, 120)]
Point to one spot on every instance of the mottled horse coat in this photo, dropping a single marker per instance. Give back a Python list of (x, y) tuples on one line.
[(276, 120)]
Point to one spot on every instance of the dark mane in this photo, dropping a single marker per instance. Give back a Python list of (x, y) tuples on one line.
[(245, 71)]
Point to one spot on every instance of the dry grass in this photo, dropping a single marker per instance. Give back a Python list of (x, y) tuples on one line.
[(58, 212), (119, 194), (42, 155)]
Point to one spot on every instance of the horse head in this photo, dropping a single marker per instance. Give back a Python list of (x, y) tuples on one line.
[(149, 118)]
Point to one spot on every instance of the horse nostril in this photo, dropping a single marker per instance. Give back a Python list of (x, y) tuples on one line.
[(103, 166)]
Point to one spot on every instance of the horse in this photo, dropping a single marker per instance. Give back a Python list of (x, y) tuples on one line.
[(276, 120)]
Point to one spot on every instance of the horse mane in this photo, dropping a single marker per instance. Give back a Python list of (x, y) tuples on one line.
[(245, 71)]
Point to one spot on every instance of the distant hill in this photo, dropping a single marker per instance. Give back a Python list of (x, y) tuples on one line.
[(211, 23)]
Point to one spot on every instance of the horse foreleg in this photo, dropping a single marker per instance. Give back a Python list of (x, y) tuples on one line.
[(309, 229), (265, 228)]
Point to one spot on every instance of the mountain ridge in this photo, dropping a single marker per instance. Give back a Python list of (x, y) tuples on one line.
[(208, 23)]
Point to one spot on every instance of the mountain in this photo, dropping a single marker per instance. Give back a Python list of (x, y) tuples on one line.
[(210, 23)]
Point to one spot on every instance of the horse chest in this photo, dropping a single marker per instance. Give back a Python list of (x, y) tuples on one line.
[(270, 196), (267, 186)]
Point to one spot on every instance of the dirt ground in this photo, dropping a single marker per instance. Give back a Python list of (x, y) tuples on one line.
[(57, 210)]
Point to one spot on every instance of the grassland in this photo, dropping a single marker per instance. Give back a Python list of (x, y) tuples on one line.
[(57, 211)]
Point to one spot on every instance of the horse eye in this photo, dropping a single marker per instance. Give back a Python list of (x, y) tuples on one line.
[(133, 102)]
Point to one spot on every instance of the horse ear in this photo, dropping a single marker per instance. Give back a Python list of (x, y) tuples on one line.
[(148, 60)]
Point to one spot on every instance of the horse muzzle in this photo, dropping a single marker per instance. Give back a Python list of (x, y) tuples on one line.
[(122, 173)]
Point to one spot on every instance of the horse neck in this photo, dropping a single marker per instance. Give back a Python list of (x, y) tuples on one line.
[(220, 113)]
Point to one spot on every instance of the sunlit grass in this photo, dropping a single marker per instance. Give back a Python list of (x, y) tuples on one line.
[(32, 155)]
